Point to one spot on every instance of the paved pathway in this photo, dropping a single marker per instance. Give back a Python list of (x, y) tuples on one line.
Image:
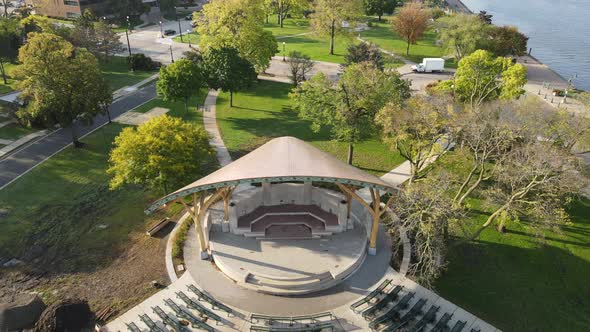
[(30, 156)]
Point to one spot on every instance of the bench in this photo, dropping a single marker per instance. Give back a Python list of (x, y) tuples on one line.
[(427, 319), (312, 328), (158, 226), (132, 327), (442, 323), (371, 295), (407, 318), (169, 320), (393, 312), (182, 313), (270, 320), (198, 307), (214, 303), (391, 296), (150, 323), (459, 325)]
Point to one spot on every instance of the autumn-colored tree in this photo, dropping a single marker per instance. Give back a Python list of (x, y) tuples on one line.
[(165, 152), (410, 23)]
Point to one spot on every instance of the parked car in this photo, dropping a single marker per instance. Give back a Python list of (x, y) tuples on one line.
[(169, 32)]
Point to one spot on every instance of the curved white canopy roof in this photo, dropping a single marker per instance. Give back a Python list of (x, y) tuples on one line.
[(281, 159)]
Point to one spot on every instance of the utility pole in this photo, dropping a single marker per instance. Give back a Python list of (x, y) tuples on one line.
[(127, 35)]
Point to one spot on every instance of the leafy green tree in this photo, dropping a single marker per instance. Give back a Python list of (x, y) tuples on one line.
[(461, 34), (329, 15), (228, 71), (9, 43), (60, 84), (165, 152), (348, 107), (482, 77), (237, 24), (380, 7), (180, 81), (284, 7), (416, 129), (410, 23), (364, 52), (506, 40)]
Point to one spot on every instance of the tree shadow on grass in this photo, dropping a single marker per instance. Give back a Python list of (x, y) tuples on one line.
[(519, 289)]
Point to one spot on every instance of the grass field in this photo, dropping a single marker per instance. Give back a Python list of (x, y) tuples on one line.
[(117, 73), (14, 131), (263, 113), (517, 282), (291, 26), (381, 34), (193, 37)]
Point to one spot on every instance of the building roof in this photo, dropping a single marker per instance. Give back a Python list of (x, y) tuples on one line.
[(282, 159)]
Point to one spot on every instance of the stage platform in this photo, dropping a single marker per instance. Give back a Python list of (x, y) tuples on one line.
[(288, 266)]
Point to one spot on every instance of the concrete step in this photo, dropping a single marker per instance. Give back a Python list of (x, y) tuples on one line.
[(311, 283)]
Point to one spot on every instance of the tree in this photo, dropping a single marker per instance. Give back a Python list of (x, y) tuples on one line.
[(417, 129), (348, 107), (60, 84), (83, 34), (506, 40), (107, 40), (410, 23), (481, 77), (364, 52), (329, 15), (461, 34), (237, 24), (284, 7), (228, 71), (534, 180), (9, 43), (5, 4), (380, 7), (425, 212), (299, 66), (486, 134), (180, 80), (165, 152)]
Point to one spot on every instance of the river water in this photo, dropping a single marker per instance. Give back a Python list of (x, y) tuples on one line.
[(559, 31)]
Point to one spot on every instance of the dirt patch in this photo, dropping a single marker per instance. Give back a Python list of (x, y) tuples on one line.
[(122, 283)]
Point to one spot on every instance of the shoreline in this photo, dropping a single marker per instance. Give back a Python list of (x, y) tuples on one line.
[(458, 5)]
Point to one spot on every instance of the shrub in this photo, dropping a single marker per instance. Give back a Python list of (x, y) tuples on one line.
[(140, 61)]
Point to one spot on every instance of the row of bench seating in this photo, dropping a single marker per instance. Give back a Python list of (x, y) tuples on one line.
[(182, 313), (388, 319), (301, 323)]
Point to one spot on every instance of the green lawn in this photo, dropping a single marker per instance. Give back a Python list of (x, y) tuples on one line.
[(290, 27), (518, 283), (11, 86), (14, 131), (316, 47), (177, 108), (381, 34), (193, 37), (263, 113), (117, 73)]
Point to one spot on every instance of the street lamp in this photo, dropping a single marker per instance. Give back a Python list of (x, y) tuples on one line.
[(179, 28), (127, 35), (161, 30), (284, 44), (188, 36), (171, 56)]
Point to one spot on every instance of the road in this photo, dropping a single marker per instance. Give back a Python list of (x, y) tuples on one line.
[(28, 157)]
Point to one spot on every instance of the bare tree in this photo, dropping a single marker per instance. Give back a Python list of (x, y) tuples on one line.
[(299, 66), (410, 23), (425, 212), (534, 180), (486, 135)]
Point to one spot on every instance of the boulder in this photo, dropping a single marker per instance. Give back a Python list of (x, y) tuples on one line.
[(22, 313)]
